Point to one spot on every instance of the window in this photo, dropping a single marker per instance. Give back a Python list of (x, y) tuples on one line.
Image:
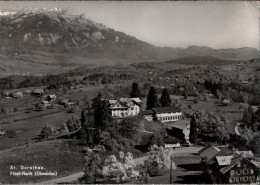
[(232, 172), (251, 171), (245, 179), (252, 178), (238, 172), (237, 179), (238, 164), (231, 179), (245, 171)]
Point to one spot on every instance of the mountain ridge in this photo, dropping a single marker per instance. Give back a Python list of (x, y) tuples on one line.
[(62, 38)]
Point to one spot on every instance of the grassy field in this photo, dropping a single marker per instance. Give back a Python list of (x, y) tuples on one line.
[(30, 128), (63, 156)]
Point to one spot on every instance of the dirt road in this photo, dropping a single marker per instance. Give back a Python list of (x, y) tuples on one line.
[(177, 152)]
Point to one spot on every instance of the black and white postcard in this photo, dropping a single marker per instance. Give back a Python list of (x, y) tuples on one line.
[(129, 92)]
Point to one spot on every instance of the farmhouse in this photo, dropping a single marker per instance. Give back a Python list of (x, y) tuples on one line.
[(226, 102), (179, 129), (172, 142), (254, 108), (125, 107), (38, 92), (51, 98), (227, 165), (148, 115)]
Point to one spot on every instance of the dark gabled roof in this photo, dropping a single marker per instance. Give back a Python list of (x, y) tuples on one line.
[(146, 112), (169, 139), (181, 124), (237, 158), (177, 134), (209, 152), (160, 110), (223, 152)]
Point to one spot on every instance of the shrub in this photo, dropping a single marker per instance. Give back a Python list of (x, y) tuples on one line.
[(72, 109), (48, 130)]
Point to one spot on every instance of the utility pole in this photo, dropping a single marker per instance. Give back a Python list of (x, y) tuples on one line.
[(171, 171)]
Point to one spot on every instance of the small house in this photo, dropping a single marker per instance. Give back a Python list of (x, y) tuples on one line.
[(148, 115), (245, 82), (51, 98), (18, 95), (226, 102), (179, 129), (172, 142), (38, 92)]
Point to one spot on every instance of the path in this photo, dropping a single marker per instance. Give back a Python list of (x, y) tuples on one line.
[(177, 152)]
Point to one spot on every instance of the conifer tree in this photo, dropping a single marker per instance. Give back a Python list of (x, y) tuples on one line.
[(101, 112), (135, 92), (193, 130), (165, 98), (152, 100)]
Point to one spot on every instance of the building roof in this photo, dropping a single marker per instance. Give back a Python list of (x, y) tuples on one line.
[(190, 98), (170, 140), (224, 151), (146, 112), (137, 100), (112, 101), (38, 91), (233, 162), (224, 160), (247, 153), (128, 100), (181, 124), (161, 110), (226, 101), (209, 151)]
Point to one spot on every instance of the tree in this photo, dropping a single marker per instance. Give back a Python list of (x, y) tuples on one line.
[(128, 126), (158, 158), (48, 130), (165, 98), (152, 100), (247, 116), (135, 92), (211, 128), (39, 107), (193, 130), (119, 170), (73, 124), (92, 168), (156, 139), (87, 124), (101, 112)]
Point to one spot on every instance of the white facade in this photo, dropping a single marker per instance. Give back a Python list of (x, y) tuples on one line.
[(121, 109), (175, 145), (168, 117)]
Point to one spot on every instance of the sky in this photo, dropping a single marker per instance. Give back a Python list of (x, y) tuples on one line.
[(174, 24)]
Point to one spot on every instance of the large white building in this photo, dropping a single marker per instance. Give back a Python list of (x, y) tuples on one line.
[(167, 114), (163, 114), (125, 107)]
